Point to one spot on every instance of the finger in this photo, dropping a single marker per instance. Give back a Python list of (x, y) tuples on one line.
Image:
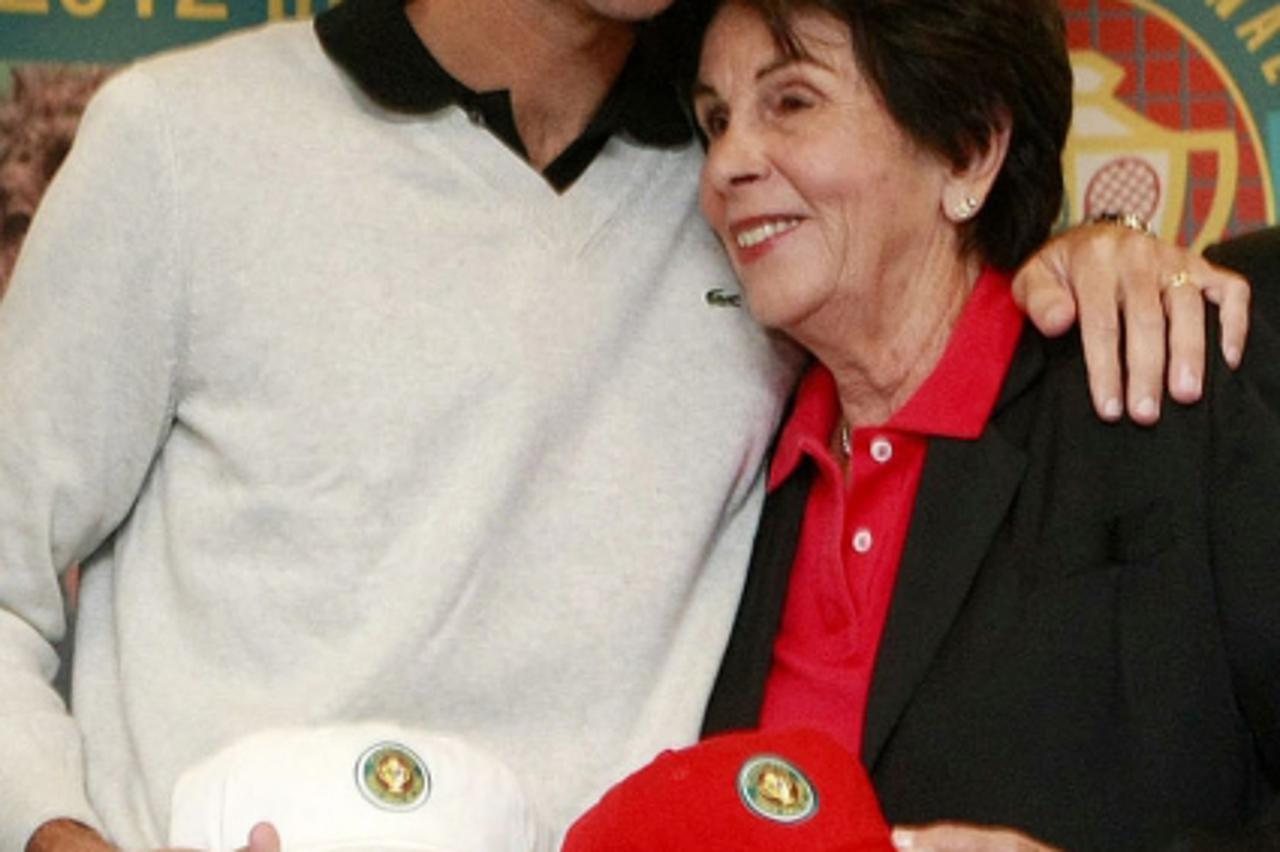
[(1040, 293), (263, 837), (1185, 309), (1100, 339), (1144, 343), (1231, 293), (917, 839), (1141, 265), (942, 837), (1095, 263)]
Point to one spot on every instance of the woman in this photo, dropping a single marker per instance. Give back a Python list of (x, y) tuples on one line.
[(1015, 615)]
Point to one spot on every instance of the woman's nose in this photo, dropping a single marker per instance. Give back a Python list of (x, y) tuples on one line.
[(735, 158)]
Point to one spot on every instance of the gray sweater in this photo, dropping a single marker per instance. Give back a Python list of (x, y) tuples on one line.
[(350, 416)]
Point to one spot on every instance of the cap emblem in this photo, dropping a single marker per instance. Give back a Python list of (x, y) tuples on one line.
[(776, 790), (391, 776)]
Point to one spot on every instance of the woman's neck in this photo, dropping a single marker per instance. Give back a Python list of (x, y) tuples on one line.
[(881, 348)]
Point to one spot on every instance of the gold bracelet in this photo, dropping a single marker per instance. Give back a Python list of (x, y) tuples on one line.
[(1132, 221)]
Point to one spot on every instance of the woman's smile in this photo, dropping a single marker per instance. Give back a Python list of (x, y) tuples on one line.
[(757, 235)]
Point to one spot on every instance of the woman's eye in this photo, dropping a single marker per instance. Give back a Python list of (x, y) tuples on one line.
[(714, 122), (790, 102)]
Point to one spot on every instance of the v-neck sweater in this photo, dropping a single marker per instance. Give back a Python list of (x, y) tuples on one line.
[(349, 415)]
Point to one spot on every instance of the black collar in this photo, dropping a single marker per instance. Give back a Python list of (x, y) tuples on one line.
[(373, 42)]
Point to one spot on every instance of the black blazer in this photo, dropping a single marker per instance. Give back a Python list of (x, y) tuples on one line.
[(1084, 640)]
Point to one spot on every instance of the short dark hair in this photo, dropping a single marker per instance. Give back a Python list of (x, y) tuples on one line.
[(951, 73)]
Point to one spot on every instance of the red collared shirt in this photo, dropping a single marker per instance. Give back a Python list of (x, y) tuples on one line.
[(854, 530)]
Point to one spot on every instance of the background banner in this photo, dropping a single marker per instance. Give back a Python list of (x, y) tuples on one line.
[(1177, 101), (113, 31), (1177, 113)]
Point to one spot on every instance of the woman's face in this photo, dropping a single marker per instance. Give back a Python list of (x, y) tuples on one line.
[(820, 199)]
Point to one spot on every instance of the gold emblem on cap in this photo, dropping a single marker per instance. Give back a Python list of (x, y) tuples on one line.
[(776, 790), (391, 776)]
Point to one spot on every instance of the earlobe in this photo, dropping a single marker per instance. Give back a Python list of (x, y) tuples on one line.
[(964, 209), (969, 185)]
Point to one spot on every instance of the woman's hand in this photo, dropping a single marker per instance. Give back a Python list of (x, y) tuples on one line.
[(961, 837), (1097, 274)]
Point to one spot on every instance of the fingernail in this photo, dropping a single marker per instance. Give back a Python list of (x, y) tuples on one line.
[(1232, 354), (1146, 408), (1112, 409), (902, 839), (1188, 381)]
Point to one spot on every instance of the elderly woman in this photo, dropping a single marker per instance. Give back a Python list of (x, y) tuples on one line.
[(1016, 615)]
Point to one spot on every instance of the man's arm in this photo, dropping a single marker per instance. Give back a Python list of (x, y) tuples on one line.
[(87, 352), (1117, 283)]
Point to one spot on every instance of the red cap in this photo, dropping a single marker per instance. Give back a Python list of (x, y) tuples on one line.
[(774, 791)]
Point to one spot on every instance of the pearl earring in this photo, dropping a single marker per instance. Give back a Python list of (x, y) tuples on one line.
[(965, 209)]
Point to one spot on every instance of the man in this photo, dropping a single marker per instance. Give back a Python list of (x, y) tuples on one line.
[(387, 372)]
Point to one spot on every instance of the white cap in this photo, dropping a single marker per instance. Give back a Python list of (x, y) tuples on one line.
[(368, 787)]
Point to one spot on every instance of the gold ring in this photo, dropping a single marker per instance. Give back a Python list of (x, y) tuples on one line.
[(1174, 280)]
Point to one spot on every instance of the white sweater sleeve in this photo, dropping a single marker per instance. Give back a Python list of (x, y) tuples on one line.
[(89, 342)]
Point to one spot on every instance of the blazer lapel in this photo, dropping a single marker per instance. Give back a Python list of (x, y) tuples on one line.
[(965, 491)]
